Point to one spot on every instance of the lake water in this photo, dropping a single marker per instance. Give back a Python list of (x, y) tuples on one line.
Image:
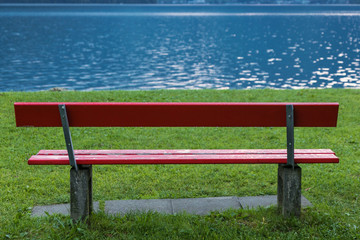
[(103, 47)]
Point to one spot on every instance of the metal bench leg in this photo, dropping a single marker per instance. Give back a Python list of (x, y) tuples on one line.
[(81, 192), (289, 190)]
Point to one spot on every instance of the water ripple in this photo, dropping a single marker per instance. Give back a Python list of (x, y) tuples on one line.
[(224, 51)]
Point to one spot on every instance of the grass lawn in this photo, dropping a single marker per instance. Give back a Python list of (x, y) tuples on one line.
[(333, 189)]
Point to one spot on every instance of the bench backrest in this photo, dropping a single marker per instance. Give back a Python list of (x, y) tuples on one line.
[(42, 114)]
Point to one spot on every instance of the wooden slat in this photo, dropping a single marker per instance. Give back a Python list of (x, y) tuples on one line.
[(176, 114), (185, 151), (182, 159)]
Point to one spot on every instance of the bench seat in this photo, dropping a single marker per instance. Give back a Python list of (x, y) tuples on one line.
[(197, 156)]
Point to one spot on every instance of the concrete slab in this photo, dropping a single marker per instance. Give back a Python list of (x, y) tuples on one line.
[(257, 201), (126, 206), (64, 209), (203, 206), (199, 206), (266, 200)]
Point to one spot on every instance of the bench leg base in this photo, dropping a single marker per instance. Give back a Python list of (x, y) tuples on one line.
[(81, 192), (289, 191)]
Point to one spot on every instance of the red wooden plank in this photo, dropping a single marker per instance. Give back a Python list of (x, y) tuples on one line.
[(185, 151), (183, 159), (176, 114)]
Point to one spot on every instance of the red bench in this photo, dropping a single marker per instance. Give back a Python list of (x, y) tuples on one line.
[(287, 115)]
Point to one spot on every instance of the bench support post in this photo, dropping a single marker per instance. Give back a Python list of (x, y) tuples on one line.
[(81, 192), (67, 135), (290, 135), (289, 190)]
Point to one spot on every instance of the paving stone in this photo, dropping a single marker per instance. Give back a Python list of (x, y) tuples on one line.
[(203, 206), (257, 201), (125, 206), (267, 200), (200, 206), (305, 203), (64, 209)]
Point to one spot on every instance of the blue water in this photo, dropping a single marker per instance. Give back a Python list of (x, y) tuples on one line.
[(101, 47)]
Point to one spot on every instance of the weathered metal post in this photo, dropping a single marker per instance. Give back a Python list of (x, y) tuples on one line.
[(80, 177), (81, 203), (67, 135), (289, 174)]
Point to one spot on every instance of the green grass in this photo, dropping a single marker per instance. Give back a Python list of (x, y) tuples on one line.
[(334, 189)]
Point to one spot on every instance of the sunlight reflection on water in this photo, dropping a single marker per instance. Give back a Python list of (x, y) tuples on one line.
[(223, 49)]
